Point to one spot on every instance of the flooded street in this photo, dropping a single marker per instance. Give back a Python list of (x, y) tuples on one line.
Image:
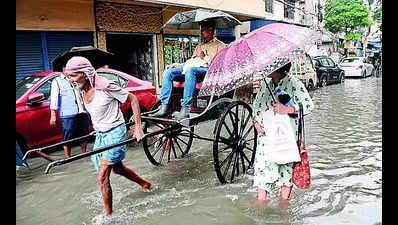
[(344, 138)]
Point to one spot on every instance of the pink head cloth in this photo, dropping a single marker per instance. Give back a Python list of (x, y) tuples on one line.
[(81, 64)]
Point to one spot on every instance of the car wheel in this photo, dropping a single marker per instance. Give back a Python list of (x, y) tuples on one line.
[(22, 145), (342, 78), (377, 73), (310, 86), (129, 116), (324, 81)]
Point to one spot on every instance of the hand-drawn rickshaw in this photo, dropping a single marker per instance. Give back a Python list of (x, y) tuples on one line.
[(246, 60)]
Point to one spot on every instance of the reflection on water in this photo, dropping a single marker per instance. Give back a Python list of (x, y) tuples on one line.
[(344, 141)]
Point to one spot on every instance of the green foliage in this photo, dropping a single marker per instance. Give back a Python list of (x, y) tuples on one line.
[(346, 16), (353, 37), (378, 15)]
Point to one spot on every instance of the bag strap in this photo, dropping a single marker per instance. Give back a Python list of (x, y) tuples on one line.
[(301, 130)]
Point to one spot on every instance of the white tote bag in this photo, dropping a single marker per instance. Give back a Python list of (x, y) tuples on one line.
[(279, 143)]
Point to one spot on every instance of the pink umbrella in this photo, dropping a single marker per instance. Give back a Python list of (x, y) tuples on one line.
[(263, 50)]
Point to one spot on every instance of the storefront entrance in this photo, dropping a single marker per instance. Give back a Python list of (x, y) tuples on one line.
[(135, 53)]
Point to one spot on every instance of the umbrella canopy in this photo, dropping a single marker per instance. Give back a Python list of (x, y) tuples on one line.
[(97, 57), (189, 20), (263, 50)]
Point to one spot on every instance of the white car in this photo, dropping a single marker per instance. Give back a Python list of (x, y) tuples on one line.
[(356, 67)]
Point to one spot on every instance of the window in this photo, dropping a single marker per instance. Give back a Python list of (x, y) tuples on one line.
[(46, 90), (115, 78), (331, 63), (309, 60), (350, 60), (23, 85), (288, 9), (269, 5), (324, 62)]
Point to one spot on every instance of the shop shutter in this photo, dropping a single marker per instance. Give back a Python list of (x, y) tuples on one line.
[(28, 53), (58, 42), (255, 24), (226, 35)]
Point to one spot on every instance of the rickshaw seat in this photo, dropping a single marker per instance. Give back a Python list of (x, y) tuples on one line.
[(181, 84), (177, 83)]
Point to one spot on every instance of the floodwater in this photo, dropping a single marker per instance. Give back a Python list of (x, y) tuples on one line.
[(344, 138)]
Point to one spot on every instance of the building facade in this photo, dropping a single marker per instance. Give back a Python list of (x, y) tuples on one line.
[(132, 29)]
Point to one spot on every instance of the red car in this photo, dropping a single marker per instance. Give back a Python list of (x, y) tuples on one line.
[(33, 105)]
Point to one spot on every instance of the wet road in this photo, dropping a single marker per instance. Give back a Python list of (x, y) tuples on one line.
[(344, 137)]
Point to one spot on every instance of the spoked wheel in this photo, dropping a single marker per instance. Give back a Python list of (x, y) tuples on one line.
[(235, 143), (171, 145)]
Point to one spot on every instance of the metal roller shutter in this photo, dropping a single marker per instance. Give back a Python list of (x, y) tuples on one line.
[(35, 50), (28, 53), (58, 42)]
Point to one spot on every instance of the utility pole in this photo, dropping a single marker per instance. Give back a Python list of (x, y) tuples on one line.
[(320, 16)]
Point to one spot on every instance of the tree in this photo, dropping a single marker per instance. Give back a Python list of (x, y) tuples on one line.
[(346, 16), (378, 15), (375, 13)]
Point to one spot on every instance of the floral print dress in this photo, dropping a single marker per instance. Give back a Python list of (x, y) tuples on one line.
[(267, 174)]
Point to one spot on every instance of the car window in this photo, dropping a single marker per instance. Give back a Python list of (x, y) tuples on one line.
[(324, 62), (309, 60), (22, 86), (46, 90), (351, 60), (331, 63), (115, 78)]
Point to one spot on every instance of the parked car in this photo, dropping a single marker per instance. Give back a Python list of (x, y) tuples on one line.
[(357, 67), (328, 71), (33, 105), (303, 69)]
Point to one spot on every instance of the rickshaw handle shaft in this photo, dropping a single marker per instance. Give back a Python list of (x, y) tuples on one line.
[(96, 151)]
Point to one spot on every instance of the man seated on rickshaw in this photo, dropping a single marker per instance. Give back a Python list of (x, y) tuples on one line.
[(205, 51)]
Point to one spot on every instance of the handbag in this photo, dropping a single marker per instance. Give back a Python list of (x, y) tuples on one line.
[(301, 176)]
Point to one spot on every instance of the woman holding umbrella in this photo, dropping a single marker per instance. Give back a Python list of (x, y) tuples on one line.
[(267, 173), (266, 52)]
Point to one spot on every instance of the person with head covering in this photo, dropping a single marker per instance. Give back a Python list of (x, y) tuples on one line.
[(267, 173), (205, 52), (102, 99)]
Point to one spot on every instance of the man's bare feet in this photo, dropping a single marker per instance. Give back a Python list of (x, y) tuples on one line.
[(259, 204), (284, 204), (147, 187)]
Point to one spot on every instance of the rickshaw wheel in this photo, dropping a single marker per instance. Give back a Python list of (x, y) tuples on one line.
[(234, 146), (171, 145)]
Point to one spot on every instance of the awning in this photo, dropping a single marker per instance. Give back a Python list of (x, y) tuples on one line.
[(375, 44)]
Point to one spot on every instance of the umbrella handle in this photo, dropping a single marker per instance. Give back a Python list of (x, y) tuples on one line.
[(269, 89)]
